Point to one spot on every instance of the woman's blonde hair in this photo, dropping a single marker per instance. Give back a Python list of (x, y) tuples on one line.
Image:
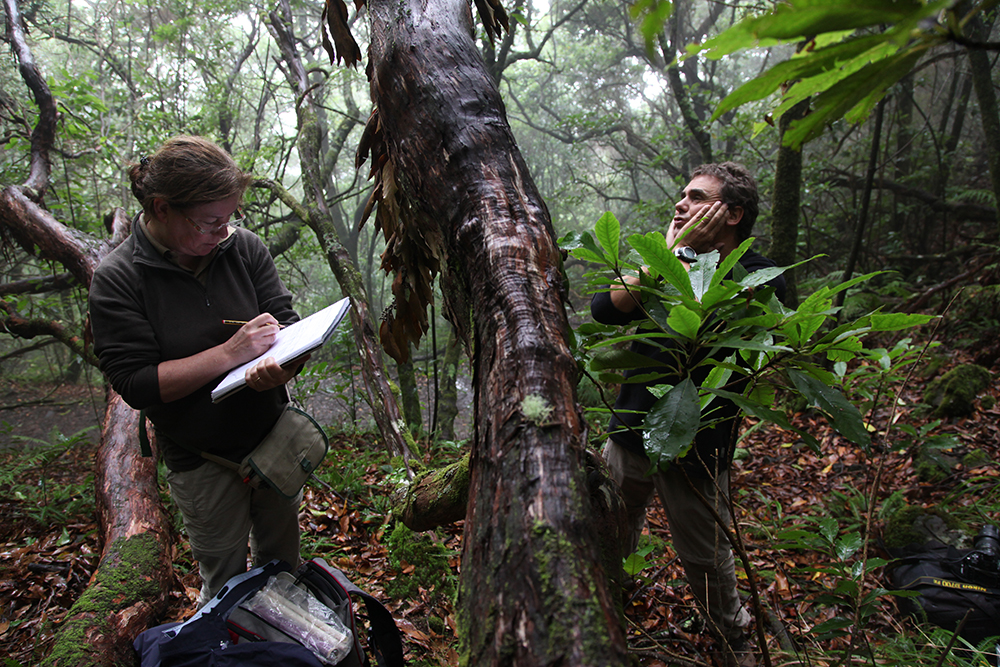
[(187, 171)]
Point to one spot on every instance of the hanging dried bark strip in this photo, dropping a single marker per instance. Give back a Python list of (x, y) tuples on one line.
[(343, 45)]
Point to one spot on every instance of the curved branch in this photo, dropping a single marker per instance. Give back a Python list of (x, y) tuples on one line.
[(43, 136), (43, 236), (16, 324), (969, 211), (130, 589), (39, 285)]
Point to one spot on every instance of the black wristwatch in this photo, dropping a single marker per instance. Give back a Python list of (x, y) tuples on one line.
[(686, 254)]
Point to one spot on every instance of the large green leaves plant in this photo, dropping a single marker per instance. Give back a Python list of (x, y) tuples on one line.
[(850, 52), (727, 336)]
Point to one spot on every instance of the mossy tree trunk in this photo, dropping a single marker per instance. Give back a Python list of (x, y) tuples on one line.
[(410, 394), (448, 392), (982, 80), (129, 588), (532, 590), (128, 592)]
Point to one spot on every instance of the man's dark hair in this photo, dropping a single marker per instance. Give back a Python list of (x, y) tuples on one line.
[(738, 189)]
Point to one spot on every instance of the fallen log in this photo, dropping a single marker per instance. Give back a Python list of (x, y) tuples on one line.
[(128, 592), (435, 497)]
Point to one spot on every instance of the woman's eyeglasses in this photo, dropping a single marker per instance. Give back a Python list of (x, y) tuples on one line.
[(214, 228)]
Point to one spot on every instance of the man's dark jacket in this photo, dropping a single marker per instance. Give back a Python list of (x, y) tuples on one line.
[(712, 448)]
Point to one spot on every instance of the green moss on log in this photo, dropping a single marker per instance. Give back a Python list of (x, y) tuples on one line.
[(123, 578), (954, 393)]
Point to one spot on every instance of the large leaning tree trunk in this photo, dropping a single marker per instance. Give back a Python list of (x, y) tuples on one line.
[(454, 193), (129, 588)]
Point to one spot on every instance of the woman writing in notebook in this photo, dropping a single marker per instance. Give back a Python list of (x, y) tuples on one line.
[(157, 305)]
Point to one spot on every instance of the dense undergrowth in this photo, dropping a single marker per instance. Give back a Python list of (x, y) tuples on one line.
[(813, 527)]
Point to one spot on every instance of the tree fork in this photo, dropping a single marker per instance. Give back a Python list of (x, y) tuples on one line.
[(532, 590)]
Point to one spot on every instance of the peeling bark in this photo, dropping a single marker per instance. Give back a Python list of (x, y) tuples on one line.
[(532, 589)]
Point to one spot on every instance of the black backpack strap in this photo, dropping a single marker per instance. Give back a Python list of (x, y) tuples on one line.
[(387, 641), (384, 639), (144, 447)]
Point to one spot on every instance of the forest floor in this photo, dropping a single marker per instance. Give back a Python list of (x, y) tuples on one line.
[(49, 546)]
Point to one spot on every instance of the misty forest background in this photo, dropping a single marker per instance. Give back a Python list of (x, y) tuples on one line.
[(607, 119)]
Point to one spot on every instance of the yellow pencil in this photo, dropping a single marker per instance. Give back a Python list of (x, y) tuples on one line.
[(240, 323)]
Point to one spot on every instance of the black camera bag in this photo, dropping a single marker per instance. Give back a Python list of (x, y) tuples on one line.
[(945, 596)]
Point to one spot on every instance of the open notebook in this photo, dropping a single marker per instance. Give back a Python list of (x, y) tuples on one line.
[(292, 342)]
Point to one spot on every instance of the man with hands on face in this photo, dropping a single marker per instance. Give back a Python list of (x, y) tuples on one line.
[(162, 307), (716, 211)]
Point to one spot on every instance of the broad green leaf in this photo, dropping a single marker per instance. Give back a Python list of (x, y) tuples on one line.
[(591, 328), (671, 424), (845, 350), (862, 89), (763, 393), (897, 321), (764, 413), (762, 276), (816, 371), (573, 240), (618, 359), (731, 260), (608, 233), (652, 247), (801, 329), (582, 246), (848, 545), (834, 627), (818, 82), (803, 66), (840, 359), (764, 320), (588, 255), (649, 378), (718, 294), (684, 321), (828, 528), (887, 76), (636, 562), (659, 390), (844, 416), (880, 356), (652, 337), (855, 329), (759, 346), (717, 377), (702, 273)]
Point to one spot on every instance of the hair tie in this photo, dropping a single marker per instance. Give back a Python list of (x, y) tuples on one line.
[(144, 160)]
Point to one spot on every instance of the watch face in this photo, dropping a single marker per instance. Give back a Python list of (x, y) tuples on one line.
[(687, 254)]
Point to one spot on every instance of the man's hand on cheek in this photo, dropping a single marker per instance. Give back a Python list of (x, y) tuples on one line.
[(704, 227)]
